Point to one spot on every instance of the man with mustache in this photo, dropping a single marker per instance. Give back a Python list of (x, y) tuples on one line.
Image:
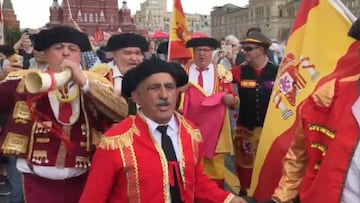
[(155, 155)]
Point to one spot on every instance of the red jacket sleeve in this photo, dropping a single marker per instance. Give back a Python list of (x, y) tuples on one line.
[(102, 176), (207, 191)]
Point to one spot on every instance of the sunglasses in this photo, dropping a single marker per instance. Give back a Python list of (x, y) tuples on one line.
[(248, 48)]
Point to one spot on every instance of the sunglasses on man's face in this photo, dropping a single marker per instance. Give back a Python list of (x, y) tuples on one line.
[(249, 48)]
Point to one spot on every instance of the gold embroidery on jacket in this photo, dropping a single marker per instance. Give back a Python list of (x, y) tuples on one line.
[(31, 143), (322, 129), (85, 128), (21, 113), (194, 133), (132, 174), (42, 140), (317, 165), (181, 159), (82, 162), (62, 151), (120, 141), (43, 127), (40, 157), (15, 143), (320, 147)]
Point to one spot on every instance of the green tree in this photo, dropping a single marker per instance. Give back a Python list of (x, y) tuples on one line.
[(12, 35)]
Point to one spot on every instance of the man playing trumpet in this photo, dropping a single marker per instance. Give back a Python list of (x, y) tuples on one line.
[(53, 129)]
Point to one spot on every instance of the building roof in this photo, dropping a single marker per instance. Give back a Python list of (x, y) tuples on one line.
[(55, 4), (124, 6), (7, 5)]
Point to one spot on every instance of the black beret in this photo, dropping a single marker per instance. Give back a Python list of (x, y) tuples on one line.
[(257, 38), (46, 38), (354, 31), (125, 40), (163, 48), (135, 76), (182, 77), (7, 50), (203, 41)]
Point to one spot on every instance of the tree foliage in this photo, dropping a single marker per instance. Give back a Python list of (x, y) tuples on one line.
[(12, 35)]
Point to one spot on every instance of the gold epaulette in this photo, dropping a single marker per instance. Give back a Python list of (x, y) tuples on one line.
[(119, 141), (102, 69), (96, 76), (224, 74), (193, 132), (324, 95)]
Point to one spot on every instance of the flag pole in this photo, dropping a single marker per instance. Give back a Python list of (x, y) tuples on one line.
[(70, 15), (170, 32)]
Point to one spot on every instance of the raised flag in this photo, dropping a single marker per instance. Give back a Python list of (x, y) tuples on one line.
[(179, 34), (318, 50)]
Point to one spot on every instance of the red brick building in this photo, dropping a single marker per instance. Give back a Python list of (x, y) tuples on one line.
[(8, 15), (92, 15)]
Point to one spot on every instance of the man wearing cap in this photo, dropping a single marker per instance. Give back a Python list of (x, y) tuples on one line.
[(155, 155), (52, 130), (255, 79), (127, 50), (322, 162), (210, 80)]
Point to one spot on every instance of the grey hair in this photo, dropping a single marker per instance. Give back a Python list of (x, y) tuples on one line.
[(231, 39)]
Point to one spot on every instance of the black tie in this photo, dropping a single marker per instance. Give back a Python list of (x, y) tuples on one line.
[(132, 107), (169, 151)]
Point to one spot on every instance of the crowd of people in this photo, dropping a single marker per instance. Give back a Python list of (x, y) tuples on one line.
[(119, 122)]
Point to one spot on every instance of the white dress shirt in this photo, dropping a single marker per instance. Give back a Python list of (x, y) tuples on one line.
[(351, 192), (207, 75), (117, 79), (172, 131)]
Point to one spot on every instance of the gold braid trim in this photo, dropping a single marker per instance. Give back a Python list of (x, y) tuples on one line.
[(102, 69), (224, 74), (96, 76), (107, 101), (21, 87), (194, 133), (229, 198), (119, 141), (19, 74)]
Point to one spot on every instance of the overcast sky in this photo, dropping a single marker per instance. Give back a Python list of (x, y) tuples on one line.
[(35, 13)]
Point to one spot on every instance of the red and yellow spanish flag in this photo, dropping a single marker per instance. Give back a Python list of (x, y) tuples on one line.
[(318, 49), (179, 34)]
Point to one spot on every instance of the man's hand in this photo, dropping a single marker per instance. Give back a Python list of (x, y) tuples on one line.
[(77, 74), (238, 200), (228, 99)]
